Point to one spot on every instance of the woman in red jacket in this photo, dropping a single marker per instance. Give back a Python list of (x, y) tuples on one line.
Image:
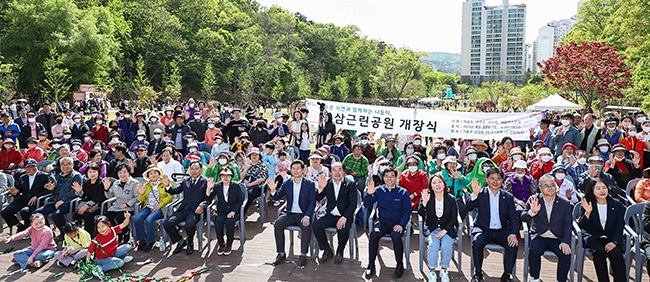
[(10, 157), (100, 131), (543, 165), (413, 180)]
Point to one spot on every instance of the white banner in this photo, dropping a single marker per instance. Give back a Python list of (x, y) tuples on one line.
[(409, 121)]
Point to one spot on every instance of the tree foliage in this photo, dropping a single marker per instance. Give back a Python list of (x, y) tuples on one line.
[(56, 85)]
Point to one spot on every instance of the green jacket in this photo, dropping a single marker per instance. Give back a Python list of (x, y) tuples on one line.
[(396, 154), (165, 198), (214, 172)]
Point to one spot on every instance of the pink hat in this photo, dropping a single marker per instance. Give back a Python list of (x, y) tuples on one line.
[(325, 148)]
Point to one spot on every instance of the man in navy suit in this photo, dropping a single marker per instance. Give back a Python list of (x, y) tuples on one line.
[(496, 222), (191, 208), (301, 201), (29, 187), (341, 194), (550, 229), (229, 197)]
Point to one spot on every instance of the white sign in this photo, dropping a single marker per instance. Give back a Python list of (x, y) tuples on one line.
[(409, 121)]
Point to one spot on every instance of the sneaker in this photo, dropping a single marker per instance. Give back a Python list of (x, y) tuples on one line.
[(148, 247), (302, 262), (432, 276), (59, 264), (141, 245), (279, 259), (220, 249), (478, 277), (399, 271), (73, 263), (227, 250), (370, 271), (37, 264), (444, 275), (535, 280), (128, 259)]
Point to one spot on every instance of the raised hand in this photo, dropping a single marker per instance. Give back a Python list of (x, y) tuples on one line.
[(107, 183), (371, 187), (208, 190), (322, 182), (127, 215), (212, 162), (611, 160), (586, 206), (425, 196), (272, 185), (534, 205), (77, 187), (49, 186), (165, 180), (153, 160), (569, 194), (140, 189), (476, 188)]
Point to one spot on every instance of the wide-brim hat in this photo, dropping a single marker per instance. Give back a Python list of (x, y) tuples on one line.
[(603, 141), (254, 151), (145, 175), (477, 143), (619, 147), (449, 159)]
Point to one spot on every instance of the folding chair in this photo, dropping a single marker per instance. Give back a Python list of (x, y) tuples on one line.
[(489, 247), (406, 235), (352, 240), (634, 226), (239, 223), (296, 228), (458, 242), (629, 190), (547, 253)]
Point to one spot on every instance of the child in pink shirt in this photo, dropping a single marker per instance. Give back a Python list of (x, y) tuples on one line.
[(42, 248)]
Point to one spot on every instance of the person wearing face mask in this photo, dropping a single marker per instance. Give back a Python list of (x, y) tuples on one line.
[(590, 133), (43, 142), (53, 154), (367, 148), (193, 154), (566, 189), (77, 152), (216, 164), (579, 166), (356, 165), (435, 165), (140, 124), (219, 146), (10, 157), (67, 137), (140, 139), (157, 144), (339, 149), (100, 130), (595, 170), (622, 168), (125, 123), (88, 142), (78, 127), (30, 129), (413, 180), (470, 160), (278, 128), (456, 181), (47, 118), (626, 121), (168, 117), (91, 121), (33, 151), (612, 134), (544, 163), (390, 152), (564, 134), (8, 128), (258, 133), (154, 122), (515, 155), (520, 184), (418, 146), (198, 125), (568, 157), (633, 143), (645, 131), (213, 131), (602, 148), (179, 130), (191, 110), (141, 162)]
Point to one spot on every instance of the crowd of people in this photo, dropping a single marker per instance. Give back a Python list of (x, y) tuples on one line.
[(104, 176)]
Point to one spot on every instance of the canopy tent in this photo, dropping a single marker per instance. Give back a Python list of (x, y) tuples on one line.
[(429, 100), (553, 102)]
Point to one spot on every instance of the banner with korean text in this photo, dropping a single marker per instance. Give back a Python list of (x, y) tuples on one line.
[(409, 121)]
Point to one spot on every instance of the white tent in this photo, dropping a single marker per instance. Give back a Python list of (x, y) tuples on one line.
[(429, 100), (553, 102)]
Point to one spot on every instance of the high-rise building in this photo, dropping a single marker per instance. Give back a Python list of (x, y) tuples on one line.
[(493, 47), (549, 37)]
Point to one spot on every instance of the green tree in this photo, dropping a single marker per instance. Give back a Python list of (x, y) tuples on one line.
[(7, 81), (56, 85), (209, 84), (173, 82), (397, 69)]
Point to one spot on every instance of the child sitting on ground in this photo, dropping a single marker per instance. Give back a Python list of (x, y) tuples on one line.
[(105, 246), (75, 245), (42, 247)]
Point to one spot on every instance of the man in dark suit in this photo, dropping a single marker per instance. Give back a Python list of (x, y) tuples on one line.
[(47, 118), (29, 187), (22, 117), (550, 229), (30, 129), (229, 199), (341, 194), (191, 208), (496, 222), (297, 213)]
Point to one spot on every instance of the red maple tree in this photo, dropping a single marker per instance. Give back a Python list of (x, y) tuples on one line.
[(593, 70)]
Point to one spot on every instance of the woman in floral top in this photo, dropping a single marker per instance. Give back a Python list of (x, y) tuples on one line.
[(254, 175), (316, 169)]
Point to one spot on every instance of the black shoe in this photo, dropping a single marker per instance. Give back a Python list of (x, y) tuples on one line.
[(59, 238), (148, 247), (326, 255), (506, 277), (399, 271), (179, 246), (370, 271), (21, 227), (478, 277), (279, 259), (141, 245), (302, 261), (190, 249), (338, 259), (126, 235)]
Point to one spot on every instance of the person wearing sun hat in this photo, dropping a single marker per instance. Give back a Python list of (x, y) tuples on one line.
[(140, 139), (413, 179), (520, 184), (390, 152), (544, 163), (10, 157), (515, 155), (224, 159), (33, 151), (154, 199), (254, 175), (228, 197), (621, 167)]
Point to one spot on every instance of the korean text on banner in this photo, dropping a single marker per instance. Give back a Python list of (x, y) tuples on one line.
[(409, 121)]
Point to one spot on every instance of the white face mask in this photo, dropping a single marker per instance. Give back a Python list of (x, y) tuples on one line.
[(441, 156), (197, 117), (517, 157), (546, 158), (603, 149), (560, 176), (279, 120), (413, 168), (127, 116), (210, 125), (640, 119), (410, 151), (646, 129), (67, 136), (417, 142), (519, 175), (191, 105), (169, 113), (193, 150), (626, 124), (31, 120), (116, 138), (153, 120), (566, 122), (631, 133), (98, 148), (611, 128), (56, 146), (382, 168), (86, 139), (76, 147), (190, 140), (338, 145), (156, 136), (77, 120), (219, 141), (223, 161), (364, 141), (582, 161), (8, 146), (140, 138), (99, 122), (471, 157)]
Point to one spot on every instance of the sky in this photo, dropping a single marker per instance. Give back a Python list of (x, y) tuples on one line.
[(422, 25)]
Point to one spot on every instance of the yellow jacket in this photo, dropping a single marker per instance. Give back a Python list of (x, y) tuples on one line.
[(165, 198)]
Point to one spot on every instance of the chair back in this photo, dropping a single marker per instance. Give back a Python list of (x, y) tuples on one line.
[(634, 217), (43, 164), (631, 186), (178, 177), (10, 180), (576, 211), (141, 180)]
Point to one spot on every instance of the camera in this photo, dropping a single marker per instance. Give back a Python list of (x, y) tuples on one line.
[(321, 105)]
